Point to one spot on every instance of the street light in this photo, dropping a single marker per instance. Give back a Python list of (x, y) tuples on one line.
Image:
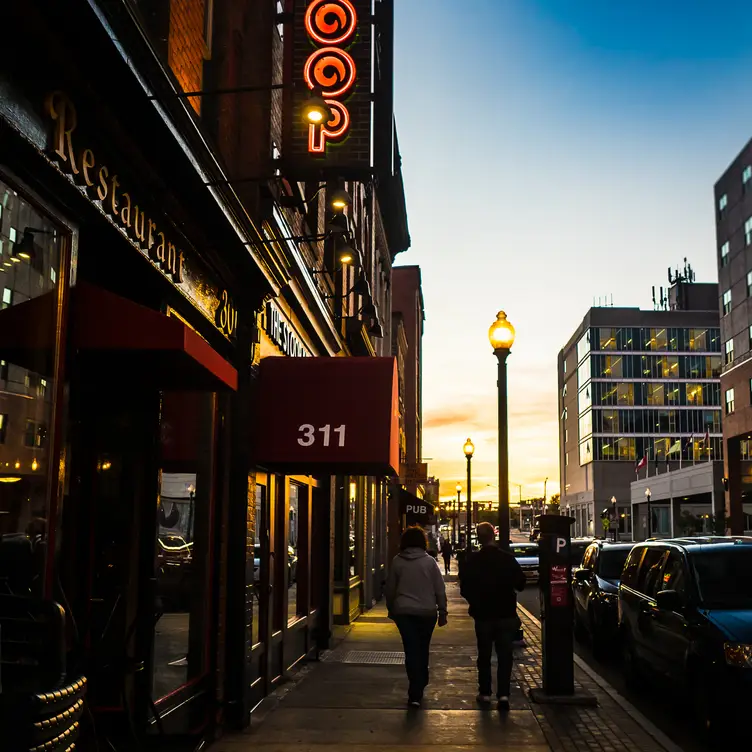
[(501, 337), (614, 516), (455, 521), (650, 515), (468, 449)]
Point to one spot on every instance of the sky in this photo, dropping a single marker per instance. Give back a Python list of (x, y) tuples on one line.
[(554, 152)]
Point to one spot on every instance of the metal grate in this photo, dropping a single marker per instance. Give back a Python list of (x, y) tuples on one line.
[(373, 657)]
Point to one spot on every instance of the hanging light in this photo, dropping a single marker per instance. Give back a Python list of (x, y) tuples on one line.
[(34, 464)]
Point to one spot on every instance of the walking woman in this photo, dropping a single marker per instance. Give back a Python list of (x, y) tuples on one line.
[(446, 553), (415, 598)]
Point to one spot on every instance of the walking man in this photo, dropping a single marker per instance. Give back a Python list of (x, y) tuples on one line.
[(489, 582), (446, 554)]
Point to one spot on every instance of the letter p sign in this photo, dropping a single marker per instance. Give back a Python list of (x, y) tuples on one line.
[(561, 543)]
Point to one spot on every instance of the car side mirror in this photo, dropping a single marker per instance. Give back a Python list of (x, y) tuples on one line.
[(583, 575), (668, 600)]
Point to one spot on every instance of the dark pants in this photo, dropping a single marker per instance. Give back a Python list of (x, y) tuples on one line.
[(498, 634), (416, 632), (447, 564)]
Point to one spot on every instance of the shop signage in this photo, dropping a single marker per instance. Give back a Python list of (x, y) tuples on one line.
[(282, 334), (414, 473), (332, 56), (416, 511), (145, 230), (328, 415)]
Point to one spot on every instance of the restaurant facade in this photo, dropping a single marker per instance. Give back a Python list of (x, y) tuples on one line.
[(166, 559)]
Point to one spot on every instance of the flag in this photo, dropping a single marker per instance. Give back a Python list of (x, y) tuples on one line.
[(687, 444), (641, 463), (675, 447), (706, 443)]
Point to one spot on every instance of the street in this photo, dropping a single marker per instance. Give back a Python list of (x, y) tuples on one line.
[(673, 721)]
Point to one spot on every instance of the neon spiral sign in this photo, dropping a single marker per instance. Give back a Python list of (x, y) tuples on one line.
[(330, 69)]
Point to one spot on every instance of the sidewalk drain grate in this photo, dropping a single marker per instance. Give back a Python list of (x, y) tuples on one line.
[(373, 657)]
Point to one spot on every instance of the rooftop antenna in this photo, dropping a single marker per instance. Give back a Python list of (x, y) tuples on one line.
[(654, 303)]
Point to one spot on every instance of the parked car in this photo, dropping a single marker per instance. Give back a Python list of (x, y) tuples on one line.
[(527, 555), (596, 594), (577, 549), (685, 617)]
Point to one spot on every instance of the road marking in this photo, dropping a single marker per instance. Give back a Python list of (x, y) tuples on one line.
[(648, 726)]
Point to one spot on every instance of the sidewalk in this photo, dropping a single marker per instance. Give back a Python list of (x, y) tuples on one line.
[(355, 700)]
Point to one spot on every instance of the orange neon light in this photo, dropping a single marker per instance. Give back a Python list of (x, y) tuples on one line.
[(332, 130), (330, 69), (335, 31)]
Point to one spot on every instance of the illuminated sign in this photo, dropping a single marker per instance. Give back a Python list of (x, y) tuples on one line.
[(330, 69), (150, 233), (331, 45), (281, 334)]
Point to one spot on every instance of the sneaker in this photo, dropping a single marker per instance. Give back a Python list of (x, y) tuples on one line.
[(483, 699), (414, 703), (503, 703)]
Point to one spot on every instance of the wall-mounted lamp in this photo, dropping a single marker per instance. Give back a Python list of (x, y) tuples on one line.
[(338, 200), (26, 248)]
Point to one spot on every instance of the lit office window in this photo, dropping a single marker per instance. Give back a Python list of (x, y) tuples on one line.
[(723, 202), (729, 351), (726, 302), (725, 249), (729, 401)]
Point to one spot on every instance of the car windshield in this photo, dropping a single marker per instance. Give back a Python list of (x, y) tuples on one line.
[(724, 577), (520, 551), (612, 562)]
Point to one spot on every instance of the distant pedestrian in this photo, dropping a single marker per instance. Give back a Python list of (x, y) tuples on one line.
[(489, 582), (415, 598), (446, 554)]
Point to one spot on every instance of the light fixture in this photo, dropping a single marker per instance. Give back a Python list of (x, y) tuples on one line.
[(25, 247), (376, 330), (10, 479), (339, 199), (458, 487), (106, 465), (17, 465), (315, 109), (361, 286), (469, 448), (338, 224), (15, 260), (345, 257), (501, 333), (34, 464), (369, 309)]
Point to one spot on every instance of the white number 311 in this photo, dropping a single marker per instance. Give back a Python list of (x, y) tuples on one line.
[(308, 434)]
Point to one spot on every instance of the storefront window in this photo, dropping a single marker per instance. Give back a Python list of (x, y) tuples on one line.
[(183, 540), (352, 537), (292, 552), (30, 257), (258, 520)]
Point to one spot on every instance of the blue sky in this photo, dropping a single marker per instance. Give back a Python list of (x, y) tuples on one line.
[(554, 151)]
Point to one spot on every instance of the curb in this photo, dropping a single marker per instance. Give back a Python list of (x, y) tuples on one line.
[(648, 726)]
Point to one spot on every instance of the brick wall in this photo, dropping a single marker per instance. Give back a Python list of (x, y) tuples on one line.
[(186, 46)]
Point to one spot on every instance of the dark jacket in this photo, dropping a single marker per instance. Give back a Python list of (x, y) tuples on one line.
[(488, 582)]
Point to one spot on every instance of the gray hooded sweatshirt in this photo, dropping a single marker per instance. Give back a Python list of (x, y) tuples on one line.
[(415, 586)]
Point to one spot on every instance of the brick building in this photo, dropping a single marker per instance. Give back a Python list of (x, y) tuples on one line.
[(733, 211), (167, 224)]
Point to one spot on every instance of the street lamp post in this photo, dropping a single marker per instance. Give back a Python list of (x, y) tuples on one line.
[(501, 337), (455, 520), (650, 514), (469, 449), (614, 516)]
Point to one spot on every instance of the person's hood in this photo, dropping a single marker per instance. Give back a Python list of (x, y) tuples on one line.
[(736, 624), (412, 553)]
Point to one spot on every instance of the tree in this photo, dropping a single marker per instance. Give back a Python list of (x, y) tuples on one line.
[(554, 504)]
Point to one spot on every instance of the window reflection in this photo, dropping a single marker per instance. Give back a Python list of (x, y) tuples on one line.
[(292, 552), (29, 262), (352, 538), (259, 518)]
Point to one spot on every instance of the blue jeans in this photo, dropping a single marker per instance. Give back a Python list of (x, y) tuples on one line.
[(416, 633)]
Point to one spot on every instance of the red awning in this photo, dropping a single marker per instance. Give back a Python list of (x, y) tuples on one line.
[(328, 415), (117, 336)]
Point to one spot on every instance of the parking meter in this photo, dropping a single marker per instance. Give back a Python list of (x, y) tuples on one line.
[(557, 614)]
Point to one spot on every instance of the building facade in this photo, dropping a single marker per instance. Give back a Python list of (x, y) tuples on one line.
[(637, 385), (169, 224), (733, 211)]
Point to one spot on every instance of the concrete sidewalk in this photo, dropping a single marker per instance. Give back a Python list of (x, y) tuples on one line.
[(355, 699)]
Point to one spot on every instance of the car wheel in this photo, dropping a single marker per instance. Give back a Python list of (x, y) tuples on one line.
[(630, 662)]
